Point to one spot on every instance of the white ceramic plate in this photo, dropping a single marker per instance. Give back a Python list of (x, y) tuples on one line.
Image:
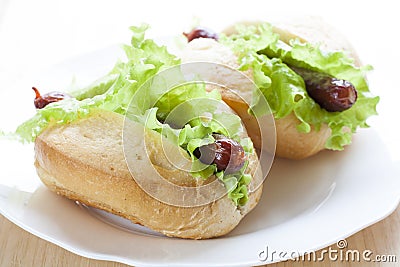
[(306, 205)]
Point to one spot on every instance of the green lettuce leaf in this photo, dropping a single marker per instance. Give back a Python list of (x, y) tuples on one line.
[(236, 185), (98, 87), (259, 48)]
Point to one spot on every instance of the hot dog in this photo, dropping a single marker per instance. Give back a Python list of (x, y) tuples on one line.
[(172, 157), (309, 74)]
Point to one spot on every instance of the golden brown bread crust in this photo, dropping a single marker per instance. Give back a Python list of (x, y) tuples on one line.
[(290, 143), (84, 161)]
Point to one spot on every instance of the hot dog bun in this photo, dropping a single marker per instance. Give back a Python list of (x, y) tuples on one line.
[(84, 161), (290, 143)]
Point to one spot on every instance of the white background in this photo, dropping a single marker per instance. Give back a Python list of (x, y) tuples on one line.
[(36, 35)]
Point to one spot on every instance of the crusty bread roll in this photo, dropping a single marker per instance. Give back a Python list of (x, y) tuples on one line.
[(290, 143), (84, 161)]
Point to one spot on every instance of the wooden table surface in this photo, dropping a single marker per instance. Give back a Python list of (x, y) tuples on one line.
[(20, 248)]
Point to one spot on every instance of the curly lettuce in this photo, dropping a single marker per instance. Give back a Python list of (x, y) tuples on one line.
[(259, 48)]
